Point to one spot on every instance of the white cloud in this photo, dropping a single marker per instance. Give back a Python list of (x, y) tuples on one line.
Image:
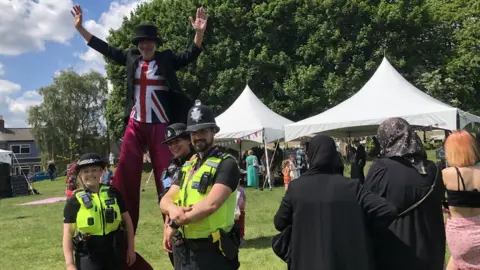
[(7, 87), (26, 25), (21, 104), (111, 19)]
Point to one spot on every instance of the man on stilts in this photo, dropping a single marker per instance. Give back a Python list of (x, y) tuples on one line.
[(154, 99)]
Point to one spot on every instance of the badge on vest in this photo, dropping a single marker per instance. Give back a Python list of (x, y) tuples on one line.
[(110, 201), (195, 185)]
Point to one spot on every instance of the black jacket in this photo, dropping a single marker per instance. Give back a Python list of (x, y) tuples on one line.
[(168, 63)]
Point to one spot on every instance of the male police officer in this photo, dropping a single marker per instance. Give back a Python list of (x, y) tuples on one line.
[(202, 206), (178, 141)]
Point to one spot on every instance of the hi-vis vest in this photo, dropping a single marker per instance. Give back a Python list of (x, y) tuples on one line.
[(223, 218), (101, 201)]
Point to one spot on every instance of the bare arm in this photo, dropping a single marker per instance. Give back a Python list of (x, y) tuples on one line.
[(166, 203), (68, 244), (130, 233), (85, 34), (214, 200), (115, 54)]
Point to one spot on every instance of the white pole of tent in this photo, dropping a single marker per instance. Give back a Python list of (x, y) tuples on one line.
[(266, 160), (148, 180)]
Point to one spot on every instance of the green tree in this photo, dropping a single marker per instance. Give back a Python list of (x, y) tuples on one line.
[(70, 119), (458, 79), (299, 57)]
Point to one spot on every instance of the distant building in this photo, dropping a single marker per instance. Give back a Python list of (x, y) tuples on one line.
[(26, 155)]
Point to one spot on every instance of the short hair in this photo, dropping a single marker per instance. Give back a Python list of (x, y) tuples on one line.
[(250, 152), (461, 149)]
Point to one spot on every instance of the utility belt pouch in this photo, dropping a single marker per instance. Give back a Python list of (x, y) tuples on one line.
[(80, 242), (225, 244)]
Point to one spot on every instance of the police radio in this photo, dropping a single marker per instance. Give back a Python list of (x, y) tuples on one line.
[(109, 215)]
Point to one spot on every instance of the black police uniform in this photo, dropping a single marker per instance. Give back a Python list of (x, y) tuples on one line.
[(173, 170), (96, 252), (198, 254)]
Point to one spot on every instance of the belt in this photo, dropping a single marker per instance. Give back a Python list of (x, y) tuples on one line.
[(199, 244)]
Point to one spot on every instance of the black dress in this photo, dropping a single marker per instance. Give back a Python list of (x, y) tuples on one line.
[(331, 217), (415, 241)]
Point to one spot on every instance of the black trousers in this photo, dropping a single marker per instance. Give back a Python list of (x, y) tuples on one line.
[(203, 259), (107, 261)]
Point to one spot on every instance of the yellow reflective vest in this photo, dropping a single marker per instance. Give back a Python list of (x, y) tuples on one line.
[(223, 218), (93, 220)]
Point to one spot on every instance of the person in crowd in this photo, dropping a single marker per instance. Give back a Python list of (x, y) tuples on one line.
[(93, 218), (240, 212), (201, 206), (462, 181), (52, 170), (286, 173), (359, 161), (413, 184), (154, 99), (71, 180), (107, 176), (293, 167), (178, 141), (340, 167), (301, 160), (331, 216), (252, 169)]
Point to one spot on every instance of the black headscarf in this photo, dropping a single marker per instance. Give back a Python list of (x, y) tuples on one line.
[(397, 139), (322, 155)]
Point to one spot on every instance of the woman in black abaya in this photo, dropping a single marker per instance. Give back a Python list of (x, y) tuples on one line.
[(330, 215), (403, 176)]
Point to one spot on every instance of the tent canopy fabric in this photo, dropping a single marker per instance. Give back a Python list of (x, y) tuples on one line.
[(5, 156), (248, 116), (387, 94)]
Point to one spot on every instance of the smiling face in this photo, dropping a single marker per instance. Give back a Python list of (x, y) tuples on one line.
[(202, 139), (147, 49), (90, 176), (179, 147)]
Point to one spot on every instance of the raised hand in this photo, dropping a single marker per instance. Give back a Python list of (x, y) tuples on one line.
[(77, 16), (200, 22)]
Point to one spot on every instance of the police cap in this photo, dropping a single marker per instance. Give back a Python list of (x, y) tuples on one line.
[(201, 117), (90, 159), (177, 130)]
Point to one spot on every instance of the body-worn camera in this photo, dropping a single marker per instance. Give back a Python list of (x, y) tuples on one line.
[(87, 200), (204, 183)]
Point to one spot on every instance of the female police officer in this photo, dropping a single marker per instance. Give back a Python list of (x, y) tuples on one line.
[(179, 144), (93, 218)]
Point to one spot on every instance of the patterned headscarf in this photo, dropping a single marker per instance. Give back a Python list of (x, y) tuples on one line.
[(397, 139)]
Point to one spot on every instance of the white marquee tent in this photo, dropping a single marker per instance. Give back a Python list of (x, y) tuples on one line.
[(387, 94), (5, 156), (247, 118)]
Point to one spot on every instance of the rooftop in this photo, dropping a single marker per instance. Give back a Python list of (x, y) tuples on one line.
[(16, 134)]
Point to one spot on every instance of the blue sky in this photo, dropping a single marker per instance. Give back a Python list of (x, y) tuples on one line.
[(40, 40)]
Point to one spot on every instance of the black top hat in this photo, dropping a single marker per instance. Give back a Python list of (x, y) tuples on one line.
[(200, 117), (176, 131), (90, 159), (146, 32)]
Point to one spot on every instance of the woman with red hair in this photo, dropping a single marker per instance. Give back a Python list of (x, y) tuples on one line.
[(462, 181)]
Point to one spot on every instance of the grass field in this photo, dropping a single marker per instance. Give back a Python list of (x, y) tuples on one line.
[(31, 236)]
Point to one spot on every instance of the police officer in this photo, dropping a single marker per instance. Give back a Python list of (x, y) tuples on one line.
[(178, 141), (93, 218), (201, 207)]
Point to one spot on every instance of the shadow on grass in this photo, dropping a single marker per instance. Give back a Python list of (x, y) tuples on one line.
[(262, 242)]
